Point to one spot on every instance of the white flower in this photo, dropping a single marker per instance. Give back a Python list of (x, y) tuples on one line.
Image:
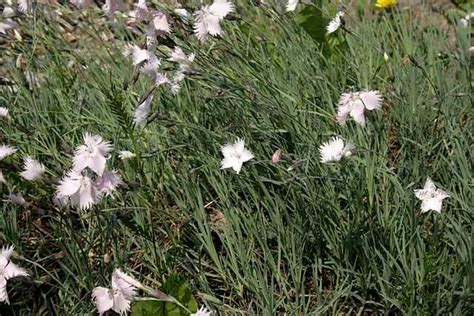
[(174, 85), (178, 56), (118, 297), (6, 150), (208, 18), (291, 5), (8, 270), (431, 197), (159, 22), (151, 69), (150, 63), (161, 79), (335, 150), (92, 154), (8, 12), (4, 112), (203, 311), (82, 4), (78, 189), (112, 6), (23, 6), (108, 182), (356, 103), (206, 23), (465, 21), (335, 23), (140, 55), (221, 8), (6, 25), (158, 25), (142, 110), (32, 169), (125, 154), (181, 12), (235, 155), (141, 10)]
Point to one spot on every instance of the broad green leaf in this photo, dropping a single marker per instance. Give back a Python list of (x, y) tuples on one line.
[(149, 307), (179, 289), (312, 21), (174, 286)]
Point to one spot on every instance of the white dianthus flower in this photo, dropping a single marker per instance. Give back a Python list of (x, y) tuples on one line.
[(92, 154), (235, 155), (335, 150), (431, 197), (356, 103), (207, 19), (32, 169)]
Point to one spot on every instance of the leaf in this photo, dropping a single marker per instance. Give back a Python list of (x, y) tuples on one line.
[(174, 286), (179, 289), (148, 307), (312, 21)]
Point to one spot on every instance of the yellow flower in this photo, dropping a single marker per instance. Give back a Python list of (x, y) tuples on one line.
[(385, 4)]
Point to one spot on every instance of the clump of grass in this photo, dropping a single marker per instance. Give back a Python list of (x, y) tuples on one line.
[(342, 238)]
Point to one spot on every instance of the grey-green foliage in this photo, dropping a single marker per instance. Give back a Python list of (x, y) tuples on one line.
[(318, 239)]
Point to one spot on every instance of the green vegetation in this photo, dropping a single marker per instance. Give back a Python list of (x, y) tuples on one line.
[(299, 237)]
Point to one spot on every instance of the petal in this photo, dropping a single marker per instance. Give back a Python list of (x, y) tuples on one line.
[(200, 25), (344, 99), (246, 155), (97, 164), (431, 204), (160, 22), (213, 25), (125, 283), (6, 150), (228, 162), (203, 311), (357, 112), (239, 146), (143, 110), (108, 182), (332, 150), (87, 196), (371, 99), (228, 150), (69, 185), (344, 107), (221, 8), (141, 10), (12, 270), (121, 304), (429, 185), (341, 116), (33, 170), (139, 55), (291, 5), (237, 166), (5, 255), (80, 160), (103, 299)]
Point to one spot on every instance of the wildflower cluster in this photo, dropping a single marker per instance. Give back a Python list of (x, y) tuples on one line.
[(89, 180)]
